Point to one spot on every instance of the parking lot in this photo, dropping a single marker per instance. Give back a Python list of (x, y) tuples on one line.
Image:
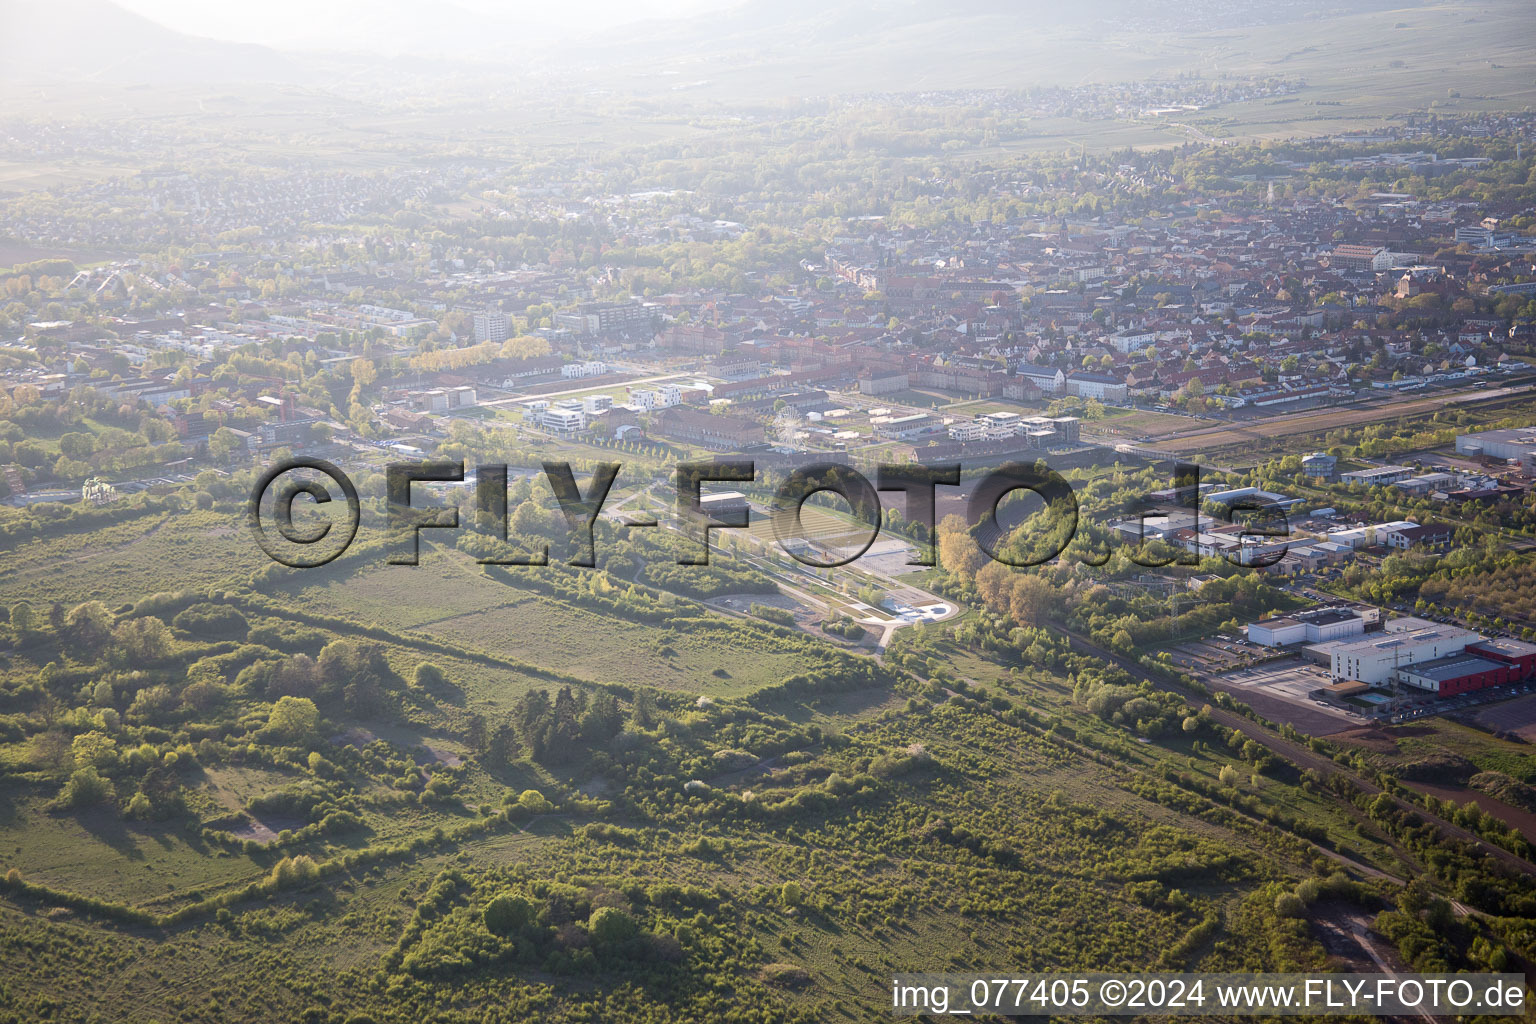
[(1215, 654), (1293, 678), (1514, 716), (1282, 691)]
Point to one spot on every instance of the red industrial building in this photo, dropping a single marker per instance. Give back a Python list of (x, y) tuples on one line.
[(1458, 673), (1518, 654)]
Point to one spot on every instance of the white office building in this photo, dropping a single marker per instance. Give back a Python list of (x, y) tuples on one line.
[(1319, 625), (1375, 660), (564, 420)]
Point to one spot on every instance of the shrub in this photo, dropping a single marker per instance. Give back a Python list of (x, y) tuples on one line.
[(772, 614), (86, 788), (1288, 904), (139, 807), (291, 871), (217, 621)]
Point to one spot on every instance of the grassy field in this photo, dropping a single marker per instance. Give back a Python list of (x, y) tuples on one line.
[(1138, 423), (995, 819)]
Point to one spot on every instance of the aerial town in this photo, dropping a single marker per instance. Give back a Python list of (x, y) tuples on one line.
[(558, 534), (1353, 274)]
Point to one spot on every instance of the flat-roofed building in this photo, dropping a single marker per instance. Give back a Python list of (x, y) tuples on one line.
[(723, 503), (1316, 625), (900, 428), (1459, 673), (1377, 476), (563, 420), (1500, 445), (1378, 658), (1424, 483), (492, 325), (1320, 464), (1517, 654)]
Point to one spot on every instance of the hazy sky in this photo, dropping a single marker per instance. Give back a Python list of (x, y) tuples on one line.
[(385, 24)]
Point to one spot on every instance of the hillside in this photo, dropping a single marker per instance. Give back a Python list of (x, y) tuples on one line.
[(69, 41)]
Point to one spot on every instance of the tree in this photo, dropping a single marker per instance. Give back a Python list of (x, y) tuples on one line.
[(90, 624), (224, 443), (508, 913), (611, 926), (1030, 599), (958, 553), (142, 641), (294, 718), (77, 445), (95, 750)]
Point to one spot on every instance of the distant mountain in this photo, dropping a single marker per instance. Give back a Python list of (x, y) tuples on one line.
[(763, 49), (46, 41), (858, 23), (409, 28)]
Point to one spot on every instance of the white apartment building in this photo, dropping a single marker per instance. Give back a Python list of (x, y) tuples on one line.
[(1128, 341), (492, 325), (652, 398), (572, 371), (969, 430)]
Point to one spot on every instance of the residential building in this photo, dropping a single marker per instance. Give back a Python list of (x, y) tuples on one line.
[(574, 371), (1128, 341), (711, 430), (1097, 386), (1355, 257), (492, 325), (1432, 537), (1048, 379), (882, 383), (598, 319)]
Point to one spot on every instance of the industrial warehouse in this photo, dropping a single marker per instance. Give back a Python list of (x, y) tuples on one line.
[(1362, 654)]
